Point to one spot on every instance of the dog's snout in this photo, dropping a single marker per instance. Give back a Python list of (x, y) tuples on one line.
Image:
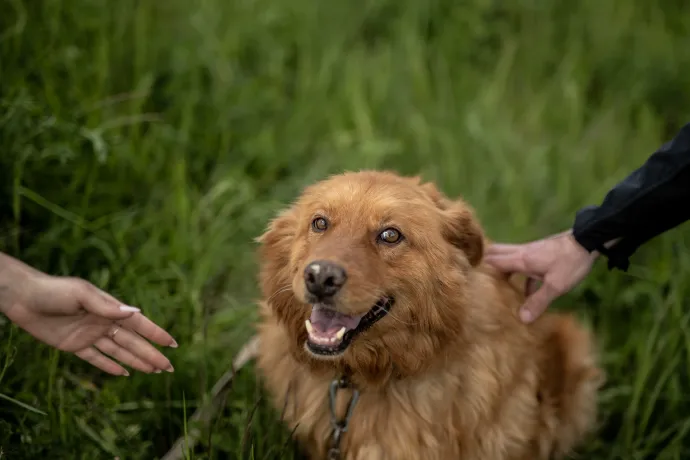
[(324, 278)]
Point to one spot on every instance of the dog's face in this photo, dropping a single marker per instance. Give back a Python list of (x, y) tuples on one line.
[(362, 269)]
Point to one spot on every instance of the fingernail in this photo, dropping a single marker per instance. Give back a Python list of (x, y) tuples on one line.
[(157, 371), (170, 368), (125, 373), (128, 308), (526, 316), (173, 344)]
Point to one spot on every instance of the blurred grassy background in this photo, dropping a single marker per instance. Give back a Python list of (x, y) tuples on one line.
[(143, 144)]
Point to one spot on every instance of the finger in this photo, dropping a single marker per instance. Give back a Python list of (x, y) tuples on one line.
[(95, 358), (149, 330), (139, 347), (531, 285), (110, 348), (99, 303), (513, 263), (537, 303), (502, 248)]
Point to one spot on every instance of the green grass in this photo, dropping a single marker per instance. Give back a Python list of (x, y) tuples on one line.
[(144, 144)]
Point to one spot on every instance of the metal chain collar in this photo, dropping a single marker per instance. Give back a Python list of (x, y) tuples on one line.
[(339, 425)]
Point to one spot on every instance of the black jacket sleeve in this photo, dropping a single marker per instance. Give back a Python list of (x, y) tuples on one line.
[(650, 201)]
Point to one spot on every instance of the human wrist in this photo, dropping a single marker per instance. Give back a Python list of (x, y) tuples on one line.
[(587, 245), (12, 275), (592, 255)]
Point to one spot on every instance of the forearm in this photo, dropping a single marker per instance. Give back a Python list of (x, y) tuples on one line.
[(650, 201), (5, 282), (12, 275)]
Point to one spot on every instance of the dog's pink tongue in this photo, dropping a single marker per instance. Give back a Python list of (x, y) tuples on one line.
[(327, 321)]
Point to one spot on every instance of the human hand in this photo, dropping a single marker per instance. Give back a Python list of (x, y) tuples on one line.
[(558, 261), (75, 316)]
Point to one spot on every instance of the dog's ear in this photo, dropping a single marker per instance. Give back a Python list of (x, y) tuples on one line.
[(463, 230), (276, 271), (275, 250), (279, 228), (460, 225)]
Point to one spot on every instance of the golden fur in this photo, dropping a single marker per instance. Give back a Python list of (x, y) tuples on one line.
[(450, 372)]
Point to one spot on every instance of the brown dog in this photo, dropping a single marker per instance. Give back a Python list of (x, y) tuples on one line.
[(378, 279)]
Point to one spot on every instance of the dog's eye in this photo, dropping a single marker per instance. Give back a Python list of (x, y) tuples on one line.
[(319, 224), (390, 236)]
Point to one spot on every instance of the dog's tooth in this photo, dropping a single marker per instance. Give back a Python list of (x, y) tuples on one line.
[(310, 328), (341, 333)]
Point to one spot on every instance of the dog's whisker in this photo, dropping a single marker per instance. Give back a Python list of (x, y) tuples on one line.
[(392, 316), (392, 312), (281, 290)]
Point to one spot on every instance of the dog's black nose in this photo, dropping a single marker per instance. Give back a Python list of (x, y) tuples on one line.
[(323, 278)]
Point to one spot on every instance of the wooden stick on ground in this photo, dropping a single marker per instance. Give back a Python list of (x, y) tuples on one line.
[(205, 413)]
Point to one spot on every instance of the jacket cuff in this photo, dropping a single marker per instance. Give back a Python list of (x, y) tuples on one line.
[(586, 233), (583, 232)]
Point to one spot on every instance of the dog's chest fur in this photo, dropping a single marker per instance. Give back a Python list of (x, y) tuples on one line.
[(443, 415)]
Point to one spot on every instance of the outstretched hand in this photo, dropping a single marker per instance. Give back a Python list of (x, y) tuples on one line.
[(558, 261), (75, 316)]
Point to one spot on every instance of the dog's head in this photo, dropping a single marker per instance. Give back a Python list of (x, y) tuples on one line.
[(369, 270)]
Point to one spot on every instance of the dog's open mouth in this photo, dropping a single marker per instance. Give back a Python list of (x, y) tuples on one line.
[(331, 332)]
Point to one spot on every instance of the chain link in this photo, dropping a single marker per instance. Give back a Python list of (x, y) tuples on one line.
[(339, 425)]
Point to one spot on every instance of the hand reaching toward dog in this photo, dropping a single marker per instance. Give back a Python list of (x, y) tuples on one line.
[(75, 316), (558, 261)]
